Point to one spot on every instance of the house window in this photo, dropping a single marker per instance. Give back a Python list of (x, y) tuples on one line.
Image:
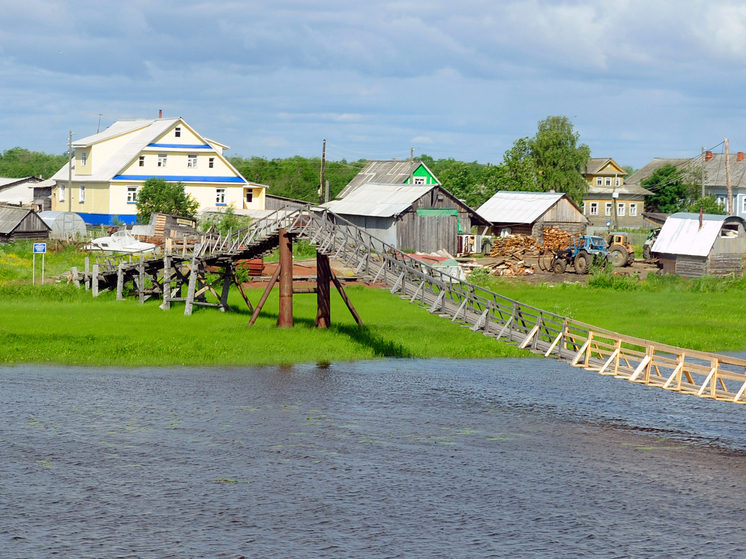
[(617, 181), (632, 209), (249, 196), (132, 195), (162, 159), (177, 132), (607, 208), (620, 209), (743, 205), (192, 161), (721, 200), (211, 163), (608, 181), (83, 158), (584, 208), (594, 208), (220, 196), (599, 181), (82, 194), (62, 193), (142, 161), (419, 180)]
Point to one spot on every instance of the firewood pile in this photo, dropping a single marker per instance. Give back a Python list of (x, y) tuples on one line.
[(514, 246), (511, 268), (556, 238)]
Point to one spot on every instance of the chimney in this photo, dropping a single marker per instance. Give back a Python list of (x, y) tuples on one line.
[(708, 155), (700, 217), (739, 157), (160, 115)]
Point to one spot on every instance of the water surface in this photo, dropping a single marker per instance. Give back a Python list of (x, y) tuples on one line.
[(436, 458)]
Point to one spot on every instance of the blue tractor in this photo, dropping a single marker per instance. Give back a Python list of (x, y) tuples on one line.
[(581, 253)]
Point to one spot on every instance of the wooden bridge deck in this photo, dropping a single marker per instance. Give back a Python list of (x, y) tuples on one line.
[(703, 374)]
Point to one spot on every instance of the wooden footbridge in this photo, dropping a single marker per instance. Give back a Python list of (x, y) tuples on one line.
[(702, 374)]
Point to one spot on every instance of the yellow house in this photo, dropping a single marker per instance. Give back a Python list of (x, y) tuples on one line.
[(110, 168), (609, 200)]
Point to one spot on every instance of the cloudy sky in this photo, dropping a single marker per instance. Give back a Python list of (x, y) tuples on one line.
[(639, 79)]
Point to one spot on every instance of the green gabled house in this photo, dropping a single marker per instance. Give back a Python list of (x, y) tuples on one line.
[(391, 172)]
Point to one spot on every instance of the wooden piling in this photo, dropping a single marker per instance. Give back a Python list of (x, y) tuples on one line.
[(166, 304), (94, 280), (120, 282), (323, 293), (285, 316)]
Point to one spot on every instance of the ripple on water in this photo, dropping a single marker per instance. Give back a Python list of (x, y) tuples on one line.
[(500, 458)]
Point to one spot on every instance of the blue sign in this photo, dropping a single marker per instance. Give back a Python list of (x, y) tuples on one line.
[(608, 224), (40, 248)]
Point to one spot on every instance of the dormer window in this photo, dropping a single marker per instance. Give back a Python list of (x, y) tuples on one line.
[(211, 163), (83, 158), (419, 180), (142, 161), (608, 181), (599, 181), (177, 132)]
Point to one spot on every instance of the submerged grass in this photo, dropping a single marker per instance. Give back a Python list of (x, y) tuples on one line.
[(61, 324)]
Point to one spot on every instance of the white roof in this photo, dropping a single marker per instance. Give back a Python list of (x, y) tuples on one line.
[(508, 206), (681, 234), (379, 200), (117, 129)]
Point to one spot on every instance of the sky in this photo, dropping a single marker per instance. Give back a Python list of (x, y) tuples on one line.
[(638, 79)]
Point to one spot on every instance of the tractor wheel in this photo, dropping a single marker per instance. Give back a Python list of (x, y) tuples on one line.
[(631, 258), (618, 255), (582, 263), (559, 266)]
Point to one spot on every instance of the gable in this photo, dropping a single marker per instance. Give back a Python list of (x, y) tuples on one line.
[(422, 172)]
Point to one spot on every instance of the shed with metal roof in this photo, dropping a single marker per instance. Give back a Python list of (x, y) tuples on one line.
[(695, 245), (21, 223), (422, 218), (530, 213)]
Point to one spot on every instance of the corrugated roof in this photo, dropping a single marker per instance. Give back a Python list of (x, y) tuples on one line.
[(631, 189), (383, 172), (379, 200), (596, 164), (681, 233), (11, 217), (508, 206)]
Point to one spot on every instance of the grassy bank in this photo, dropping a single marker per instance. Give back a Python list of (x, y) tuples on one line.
[(54, 324)]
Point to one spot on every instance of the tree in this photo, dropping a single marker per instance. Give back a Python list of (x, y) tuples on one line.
[(668, 188), (519, 170), (19, 162), (159, 196), (559, 159)]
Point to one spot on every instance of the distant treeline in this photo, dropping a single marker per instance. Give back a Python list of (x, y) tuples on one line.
[(18, 163)]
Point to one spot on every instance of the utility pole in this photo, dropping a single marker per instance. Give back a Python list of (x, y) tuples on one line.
[(727, 178), (321, 180), (614, 198), (411, 154), (326, 191), (703, 171), (98, 128), (70, 172)]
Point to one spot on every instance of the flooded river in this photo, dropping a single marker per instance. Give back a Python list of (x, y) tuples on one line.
[(452, 459)]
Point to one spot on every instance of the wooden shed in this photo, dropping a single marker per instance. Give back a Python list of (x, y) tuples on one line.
[(423, 218), (21, 223), (530, 213), (694, 245)]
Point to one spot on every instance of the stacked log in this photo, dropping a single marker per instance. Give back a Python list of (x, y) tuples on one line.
[(514, 246), (556, 238)]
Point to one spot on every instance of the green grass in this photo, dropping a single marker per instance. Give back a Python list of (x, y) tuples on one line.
[(16, 260), (58, 324)]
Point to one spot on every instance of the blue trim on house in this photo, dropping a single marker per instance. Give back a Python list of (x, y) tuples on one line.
[(182, 178), (185, 146), (107, 219)]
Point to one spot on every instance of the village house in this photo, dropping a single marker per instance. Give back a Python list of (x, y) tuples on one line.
[(403, 204), (28, 192), (530, 213), (21, 224), (610, 201), (110, 167), (709, 171), (693, 245)]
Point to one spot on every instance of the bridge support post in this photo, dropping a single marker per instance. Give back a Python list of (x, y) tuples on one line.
[(323, 293), (285, 316), (120, 282), (94, 280)]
